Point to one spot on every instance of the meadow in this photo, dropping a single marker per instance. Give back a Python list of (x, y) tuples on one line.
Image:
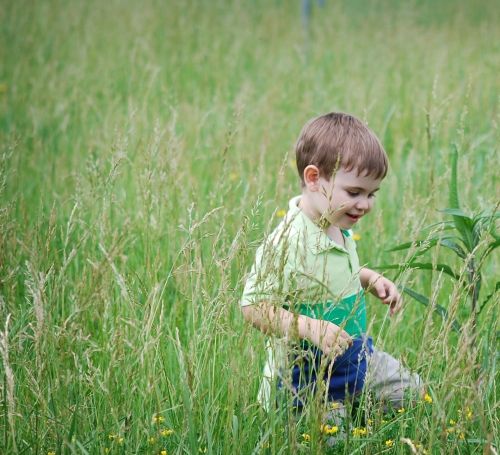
[(146, 150)]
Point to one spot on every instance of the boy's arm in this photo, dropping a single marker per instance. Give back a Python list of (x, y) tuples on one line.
[(270, 319), (382, 288)]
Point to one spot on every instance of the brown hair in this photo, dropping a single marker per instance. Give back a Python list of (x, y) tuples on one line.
[(337, 139)]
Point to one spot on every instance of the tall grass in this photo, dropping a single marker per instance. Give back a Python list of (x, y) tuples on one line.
[(145, 149)]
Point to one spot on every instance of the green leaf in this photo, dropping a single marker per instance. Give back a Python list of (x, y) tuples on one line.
[(437, 308), (422, 266), (463, 223), (487, 299), (491, 247), (484, 223), (425, 245), (454, 202), (453, 246), (456, 212), (447, 225), (416, 244), (73, 424), (405, 246)]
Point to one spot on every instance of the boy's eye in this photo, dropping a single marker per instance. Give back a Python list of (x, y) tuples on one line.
[(352, 193), (372, 195)]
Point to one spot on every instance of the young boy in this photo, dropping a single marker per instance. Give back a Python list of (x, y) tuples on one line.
[(306, 286)]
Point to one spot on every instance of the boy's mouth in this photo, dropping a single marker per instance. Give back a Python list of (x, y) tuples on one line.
[(353, 217)]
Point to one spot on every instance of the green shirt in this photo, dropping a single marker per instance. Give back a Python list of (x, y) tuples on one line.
[(301, 269)]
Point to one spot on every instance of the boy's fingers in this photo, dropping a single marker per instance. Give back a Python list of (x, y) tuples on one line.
[(379, 289), (396, 304), (345, 337)]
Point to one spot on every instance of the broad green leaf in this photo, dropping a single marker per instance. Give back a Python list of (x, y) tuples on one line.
[(422, 266), (456, 212), (405, 246), (462, 224), (415, 244), (453, 246), (492, 214), (437, 308), (491, 247), (425, 245), (447, 225), (488, 298), (484, 223)]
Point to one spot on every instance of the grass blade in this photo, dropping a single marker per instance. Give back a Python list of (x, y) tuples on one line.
[(422, 266), (417, 243), (488, 298), (463, 224), (453, 198), (447, 243), (437, 308), (491, 247), (456, 212)]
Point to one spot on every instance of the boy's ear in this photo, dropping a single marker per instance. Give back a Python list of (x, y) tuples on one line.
[(311, 177)]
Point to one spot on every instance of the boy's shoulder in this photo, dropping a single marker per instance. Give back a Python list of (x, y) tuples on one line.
[(288, 232)]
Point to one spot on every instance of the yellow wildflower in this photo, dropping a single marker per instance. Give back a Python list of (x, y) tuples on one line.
[(112, 436), (389, 443), (306, 437), (51, 452), (359, 432), (428, 398), (370, 422), (329, 429), (106, 449), (356, 237), (468, 413), (158, 419), (163, 452), (335, 405), (461, 435), (166, 432), (281, 213), (401, 410), (120, 440), (452, 422), (152, 440)]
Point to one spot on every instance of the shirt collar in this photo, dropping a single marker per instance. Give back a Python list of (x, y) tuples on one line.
[(317, 240)]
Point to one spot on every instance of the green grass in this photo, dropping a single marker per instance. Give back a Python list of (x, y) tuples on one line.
[(144, 151)]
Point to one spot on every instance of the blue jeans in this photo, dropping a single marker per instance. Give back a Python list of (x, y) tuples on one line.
[(344, 377)]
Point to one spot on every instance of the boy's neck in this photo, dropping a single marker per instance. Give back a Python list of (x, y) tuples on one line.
[(330, 230)]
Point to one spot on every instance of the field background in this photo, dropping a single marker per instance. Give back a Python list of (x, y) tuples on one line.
[(146, 148)]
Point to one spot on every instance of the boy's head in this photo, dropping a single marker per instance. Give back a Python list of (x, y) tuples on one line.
[(337, 140), (341, 164)]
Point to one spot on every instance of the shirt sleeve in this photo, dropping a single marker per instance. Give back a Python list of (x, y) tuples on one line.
[(268, 277)]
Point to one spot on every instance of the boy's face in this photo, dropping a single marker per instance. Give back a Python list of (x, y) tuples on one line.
[(345, 198)]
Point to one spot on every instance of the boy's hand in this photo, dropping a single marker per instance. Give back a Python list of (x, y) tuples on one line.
[(330, 338), (386, 291)]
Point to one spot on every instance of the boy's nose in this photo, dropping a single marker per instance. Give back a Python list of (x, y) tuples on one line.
[(363, 204)]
